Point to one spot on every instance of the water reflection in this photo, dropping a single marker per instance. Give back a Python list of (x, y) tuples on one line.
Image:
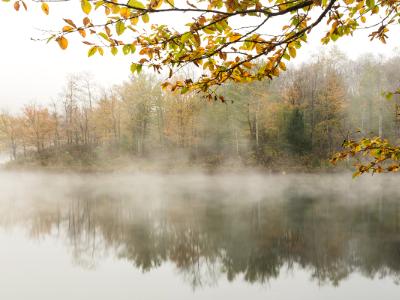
[(208, 228)]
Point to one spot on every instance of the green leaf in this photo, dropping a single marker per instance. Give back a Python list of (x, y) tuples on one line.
[(146, 18), (184, 90), (50, 38), (133, 68), (292, 52), (370, 3), (114, 51), (92, 51), (120, 27), (185, 37), (104, 36), (334, 37), (98, 4), (136, 68), (126, 49), (136, 4), (388, 96)]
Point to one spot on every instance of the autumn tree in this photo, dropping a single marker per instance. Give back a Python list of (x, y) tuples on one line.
[(286, 123), (211, 37), (140, 97), (10, 128), (107, 119), (39, 124)]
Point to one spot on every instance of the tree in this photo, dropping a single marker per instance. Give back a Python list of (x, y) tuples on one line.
[(294, 121), (10, 127), (383, 156), (138, 97), (40, 125), (212, 38), (295, 132)]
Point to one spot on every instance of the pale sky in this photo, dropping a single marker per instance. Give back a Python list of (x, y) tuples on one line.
[(33, 71)]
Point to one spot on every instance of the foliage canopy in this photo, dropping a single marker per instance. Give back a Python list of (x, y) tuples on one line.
[(223, 38)]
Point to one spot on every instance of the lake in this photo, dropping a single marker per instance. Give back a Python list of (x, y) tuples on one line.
[(197, 236)]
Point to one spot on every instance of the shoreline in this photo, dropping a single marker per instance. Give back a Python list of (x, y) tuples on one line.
[(172, 167)]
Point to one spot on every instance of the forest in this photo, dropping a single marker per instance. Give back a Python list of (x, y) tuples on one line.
[(295, 122)]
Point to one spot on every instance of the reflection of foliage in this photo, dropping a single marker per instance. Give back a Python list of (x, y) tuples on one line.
[(213, 234)]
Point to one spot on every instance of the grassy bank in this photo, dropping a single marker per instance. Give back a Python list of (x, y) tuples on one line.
[(93, 159)]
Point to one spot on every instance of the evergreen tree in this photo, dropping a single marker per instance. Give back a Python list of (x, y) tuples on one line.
[(295, 133)]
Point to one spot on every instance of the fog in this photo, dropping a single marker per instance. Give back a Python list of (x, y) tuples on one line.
[(147, 186)]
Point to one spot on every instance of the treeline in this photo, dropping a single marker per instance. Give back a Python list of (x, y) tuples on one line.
[(299, 119)]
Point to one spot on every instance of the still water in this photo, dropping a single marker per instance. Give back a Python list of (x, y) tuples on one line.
[(194, 236)]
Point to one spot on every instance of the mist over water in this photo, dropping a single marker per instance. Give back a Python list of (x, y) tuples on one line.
[(198, 236), (246, 186)]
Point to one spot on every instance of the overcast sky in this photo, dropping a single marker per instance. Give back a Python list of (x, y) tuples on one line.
[(35, 71)]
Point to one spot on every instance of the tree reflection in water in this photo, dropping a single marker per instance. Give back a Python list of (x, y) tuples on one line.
[(209, 230)]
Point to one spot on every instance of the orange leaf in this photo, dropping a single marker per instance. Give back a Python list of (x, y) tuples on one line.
[(45, 8), (62, 42)]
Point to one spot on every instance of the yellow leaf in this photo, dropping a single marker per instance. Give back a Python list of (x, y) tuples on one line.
[(92, 51), (134, 20), (375, 10), (86, 6), (45, 8), (115, 9), (292, 52), (282, 66), (125, 12), (208, 30), (62, 42), (235, 37), (164, 85), (114, 51), (146, 18), (120, 27), (136, 4), (248, 64)]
